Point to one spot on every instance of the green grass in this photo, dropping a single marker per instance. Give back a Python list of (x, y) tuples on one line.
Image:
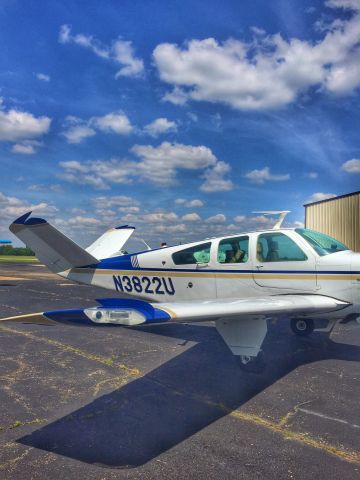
[(17, 259)]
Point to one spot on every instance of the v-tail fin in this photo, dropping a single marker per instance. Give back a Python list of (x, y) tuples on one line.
[(51, 247)]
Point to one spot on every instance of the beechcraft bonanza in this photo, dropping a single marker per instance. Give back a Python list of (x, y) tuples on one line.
[(239, 281)]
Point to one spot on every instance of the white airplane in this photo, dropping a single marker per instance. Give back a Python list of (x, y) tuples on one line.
[(239, 281)]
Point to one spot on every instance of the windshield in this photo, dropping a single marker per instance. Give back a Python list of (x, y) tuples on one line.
[(321, 243)]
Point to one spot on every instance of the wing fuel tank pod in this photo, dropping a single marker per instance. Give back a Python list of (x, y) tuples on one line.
[(125, 312)]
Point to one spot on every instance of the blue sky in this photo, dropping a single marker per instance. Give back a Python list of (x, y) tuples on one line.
[(179, 117)]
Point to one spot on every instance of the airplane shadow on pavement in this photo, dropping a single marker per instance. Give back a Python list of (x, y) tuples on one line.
[(134, 424)]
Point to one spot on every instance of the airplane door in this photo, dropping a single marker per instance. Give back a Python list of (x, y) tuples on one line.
[(280, 262)]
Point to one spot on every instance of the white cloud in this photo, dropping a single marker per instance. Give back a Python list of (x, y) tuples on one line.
[(351, 166), (121, 52), (13, 207), (346, 4), (319, 196), (80, 222), (129, 209), (312, 175), (189, 203), (261, 176), (113, 122), (219, 218), (191, 217), (26, 147), (78, 133), (160, 217), (45, 188), (269, 72), (158, 165), (114, 201), (180, 228), (239, 218), (177, 96), (16, 126), (214, 179), (160, 125), (43, 77)]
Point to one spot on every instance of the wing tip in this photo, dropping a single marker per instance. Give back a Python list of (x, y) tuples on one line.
[(124, 227), (22, 219), (26, 220)]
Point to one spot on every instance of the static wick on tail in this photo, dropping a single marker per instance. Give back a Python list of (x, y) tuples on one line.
[(282, 214)]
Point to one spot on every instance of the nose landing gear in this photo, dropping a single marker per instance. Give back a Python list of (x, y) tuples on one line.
[(302, 326)]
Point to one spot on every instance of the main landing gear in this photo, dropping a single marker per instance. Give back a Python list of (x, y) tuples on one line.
[(251, 364), (302, 326)]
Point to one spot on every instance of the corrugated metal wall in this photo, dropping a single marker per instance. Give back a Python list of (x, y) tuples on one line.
[(338, 217)]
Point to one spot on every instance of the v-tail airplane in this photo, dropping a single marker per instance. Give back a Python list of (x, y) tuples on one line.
[(239, 281)]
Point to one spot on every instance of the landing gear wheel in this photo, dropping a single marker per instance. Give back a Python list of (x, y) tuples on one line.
[(302, 326), (251, 364)]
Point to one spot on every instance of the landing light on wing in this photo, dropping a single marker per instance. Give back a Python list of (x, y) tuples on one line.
[(115, 316)]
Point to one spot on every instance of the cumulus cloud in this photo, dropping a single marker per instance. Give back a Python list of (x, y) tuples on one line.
[(264, 175), (214, 179), (158, 165), (191, 217), (113, 122), (121, 52), (77, 133), (17, 126), (189, 203), (113, 201), (80, 222), (26, 147), (219, 218), (43, 77), (267, 73), (45, 188), (351, 166), (177, 96), (12, 207), (319, 196), (160, 217), (160, 125)]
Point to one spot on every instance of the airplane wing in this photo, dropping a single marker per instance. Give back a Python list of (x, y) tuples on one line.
[(271, 306)]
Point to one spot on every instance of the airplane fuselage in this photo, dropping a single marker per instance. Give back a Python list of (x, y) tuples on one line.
[(171, 274)]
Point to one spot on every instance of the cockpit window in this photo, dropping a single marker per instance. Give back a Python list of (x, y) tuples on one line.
[(321, 243), (233, 250), (277, 247), (196, 254)]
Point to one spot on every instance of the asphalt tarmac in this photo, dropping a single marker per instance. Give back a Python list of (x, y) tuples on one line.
[(167, 401)]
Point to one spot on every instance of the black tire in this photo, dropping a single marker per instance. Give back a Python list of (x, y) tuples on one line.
[(302, 327), (253, 364)]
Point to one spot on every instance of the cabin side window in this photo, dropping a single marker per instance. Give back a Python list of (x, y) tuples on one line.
[(233, 250), (277, 247), (192, 255)]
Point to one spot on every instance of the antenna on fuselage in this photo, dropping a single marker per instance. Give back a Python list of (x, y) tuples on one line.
[(282, 214)]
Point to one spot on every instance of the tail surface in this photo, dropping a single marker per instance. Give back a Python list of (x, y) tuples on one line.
[(110, 242), (51, 247)]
